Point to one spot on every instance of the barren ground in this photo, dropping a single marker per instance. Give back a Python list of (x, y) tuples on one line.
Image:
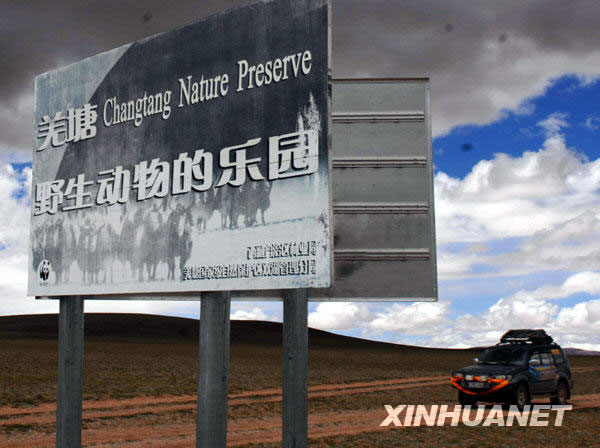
[(142, 393)]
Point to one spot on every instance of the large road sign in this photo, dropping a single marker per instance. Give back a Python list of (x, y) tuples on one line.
[(194, 160)]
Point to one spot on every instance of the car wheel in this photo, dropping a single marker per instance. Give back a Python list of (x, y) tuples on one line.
[(561, 395), (521, 397), (466, 399)]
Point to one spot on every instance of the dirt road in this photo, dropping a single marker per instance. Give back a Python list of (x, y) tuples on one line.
[(141, 421)]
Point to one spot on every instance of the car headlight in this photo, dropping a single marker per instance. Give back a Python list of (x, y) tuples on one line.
[(469, 377), (483, 377), (503, 377), (457, 374)]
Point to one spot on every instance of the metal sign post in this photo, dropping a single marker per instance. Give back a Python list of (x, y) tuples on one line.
[(70, 367), (295, 368), (213, 373)]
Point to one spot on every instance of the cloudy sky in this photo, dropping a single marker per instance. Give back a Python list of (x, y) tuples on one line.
[(516, 122)]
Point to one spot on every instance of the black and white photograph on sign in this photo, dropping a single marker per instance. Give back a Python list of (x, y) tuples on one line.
[(193, 160)]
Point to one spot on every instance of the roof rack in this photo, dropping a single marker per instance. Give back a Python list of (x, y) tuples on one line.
[(524, 336)]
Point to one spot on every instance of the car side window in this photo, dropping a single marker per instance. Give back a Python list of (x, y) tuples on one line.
[(558, 356), (546, 359), (535, 357)]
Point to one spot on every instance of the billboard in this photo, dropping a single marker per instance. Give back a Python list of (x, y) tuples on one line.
[(193, 160)]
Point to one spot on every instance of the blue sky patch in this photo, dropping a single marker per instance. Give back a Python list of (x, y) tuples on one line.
[(22, 191), (457, 153), (19, 167)]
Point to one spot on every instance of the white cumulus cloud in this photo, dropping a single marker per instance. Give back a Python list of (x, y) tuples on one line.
[(416, 318), (549, 198), (14, 235), (578, 325), (436, 324), (554, 123), (253, 314), (592, 123), (339, 315)]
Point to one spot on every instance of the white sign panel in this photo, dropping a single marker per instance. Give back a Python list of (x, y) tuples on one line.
[(195, 160)]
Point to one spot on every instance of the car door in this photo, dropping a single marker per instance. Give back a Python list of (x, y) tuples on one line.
[(548, 369), (562, 367), (535, 372)]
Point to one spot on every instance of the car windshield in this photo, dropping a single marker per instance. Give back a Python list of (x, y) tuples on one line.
[(513, 356)]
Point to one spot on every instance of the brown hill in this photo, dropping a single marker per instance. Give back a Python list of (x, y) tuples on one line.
[(148, 327), (145, 326)]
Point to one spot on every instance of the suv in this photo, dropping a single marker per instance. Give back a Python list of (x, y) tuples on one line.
[(524, 364)]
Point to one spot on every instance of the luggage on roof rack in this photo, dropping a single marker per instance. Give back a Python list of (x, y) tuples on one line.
[(524, 336)]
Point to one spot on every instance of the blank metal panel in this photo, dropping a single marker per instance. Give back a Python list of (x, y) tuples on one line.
[(379, 95), (379, 139), (372, 279), (380, 184), (359, 230)]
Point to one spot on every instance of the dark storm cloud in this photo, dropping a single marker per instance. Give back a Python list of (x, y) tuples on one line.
[(38, 36), (408, 29), (482, 56)]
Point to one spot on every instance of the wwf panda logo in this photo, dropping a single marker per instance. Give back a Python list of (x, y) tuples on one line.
[(44, 270)]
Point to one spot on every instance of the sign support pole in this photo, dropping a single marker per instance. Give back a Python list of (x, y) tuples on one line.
[(70, 367), (213, 374), (295, 368)]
